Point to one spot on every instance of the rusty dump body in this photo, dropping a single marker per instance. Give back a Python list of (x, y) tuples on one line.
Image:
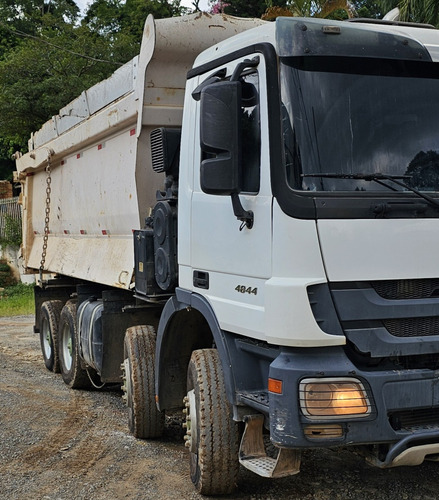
[(96, 155)]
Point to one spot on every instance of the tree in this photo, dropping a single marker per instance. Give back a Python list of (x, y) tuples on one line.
[(48, 57), (368, 9), (420, 11), (121, 23), (19, 22), (247, 8), (136, 11), (333, 9), (41, 72), (424, 170), (42, 75), (26, 17)]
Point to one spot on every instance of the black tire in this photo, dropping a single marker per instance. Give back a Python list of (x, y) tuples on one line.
[(49, 321), (144, 419), (212, 435), (73, 374)]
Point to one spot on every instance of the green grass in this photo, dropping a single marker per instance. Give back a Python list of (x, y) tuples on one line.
[(17, 300)]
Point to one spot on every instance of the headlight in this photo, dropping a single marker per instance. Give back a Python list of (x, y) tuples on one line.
[(333, 398)]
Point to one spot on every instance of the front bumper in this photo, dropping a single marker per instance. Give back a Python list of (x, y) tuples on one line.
[(404, 407)]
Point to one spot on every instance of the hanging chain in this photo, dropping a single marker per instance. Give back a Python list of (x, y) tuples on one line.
[(47, 216)]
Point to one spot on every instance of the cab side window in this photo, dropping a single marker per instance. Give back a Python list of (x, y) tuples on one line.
[(251, 133)]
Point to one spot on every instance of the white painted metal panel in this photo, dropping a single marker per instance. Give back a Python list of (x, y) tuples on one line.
[(266, 33), (93, 211), (121, 82), (218, 244), (112, 257), (379, 249), (238, 261), (72, 114), (297, 264), (104, 93), (46, 134)]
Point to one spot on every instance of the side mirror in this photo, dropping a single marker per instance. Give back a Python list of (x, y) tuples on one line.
[(220, 138)]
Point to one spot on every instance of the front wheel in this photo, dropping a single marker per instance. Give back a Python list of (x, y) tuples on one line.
[(68, 349), (49, 321), (212, 435)]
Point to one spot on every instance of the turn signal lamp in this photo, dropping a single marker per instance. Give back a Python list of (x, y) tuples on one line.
[(333, 398), (275, 385)]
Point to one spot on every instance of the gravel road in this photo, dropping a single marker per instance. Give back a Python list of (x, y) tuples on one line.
[(61, 444)]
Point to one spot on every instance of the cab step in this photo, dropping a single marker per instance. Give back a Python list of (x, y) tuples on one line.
[(253, 456)]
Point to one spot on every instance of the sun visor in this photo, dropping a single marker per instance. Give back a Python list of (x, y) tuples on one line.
[(321, 37)]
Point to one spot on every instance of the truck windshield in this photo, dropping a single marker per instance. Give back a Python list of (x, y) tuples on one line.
[(347, 119)]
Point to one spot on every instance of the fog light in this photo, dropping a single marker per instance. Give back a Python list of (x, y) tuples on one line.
[(333, 398), (328, 431)]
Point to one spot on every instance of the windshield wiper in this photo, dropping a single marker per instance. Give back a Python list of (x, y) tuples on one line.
[(379, 177)]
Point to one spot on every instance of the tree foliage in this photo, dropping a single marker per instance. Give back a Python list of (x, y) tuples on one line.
[(121, 23), (28, 17), (334, 9), (424, 170), (419, 11), (368, 9), (245, 8), (39, 77), (48, 56)]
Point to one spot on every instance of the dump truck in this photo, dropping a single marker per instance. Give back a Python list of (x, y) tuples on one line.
[(241, 223)]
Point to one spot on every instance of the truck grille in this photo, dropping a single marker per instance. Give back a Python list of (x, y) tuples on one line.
[(415, 420), (413, 327), (407, 289), (157, 150)]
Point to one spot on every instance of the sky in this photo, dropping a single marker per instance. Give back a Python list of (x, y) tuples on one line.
[(203, 4)]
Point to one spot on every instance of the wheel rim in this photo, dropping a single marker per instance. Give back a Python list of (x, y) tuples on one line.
[(126, 387), (66, 347), (191, 422), (128, 391), (47, 339)]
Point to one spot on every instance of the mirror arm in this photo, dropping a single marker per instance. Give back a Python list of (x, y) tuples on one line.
[(245, 216), (247, 63)]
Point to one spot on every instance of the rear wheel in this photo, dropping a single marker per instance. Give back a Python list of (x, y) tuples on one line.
[(212, 435), (49, 322), (144, 419), (68, 349)]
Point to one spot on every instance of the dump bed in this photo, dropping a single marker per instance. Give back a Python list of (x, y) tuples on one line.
[(89, 167)]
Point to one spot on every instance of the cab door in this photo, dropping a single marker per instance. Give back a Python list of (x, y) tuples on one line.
[(231, 260)]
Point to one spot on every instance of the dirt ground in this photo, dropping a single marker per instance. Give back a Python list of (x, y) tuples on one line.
[(61, 444)]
